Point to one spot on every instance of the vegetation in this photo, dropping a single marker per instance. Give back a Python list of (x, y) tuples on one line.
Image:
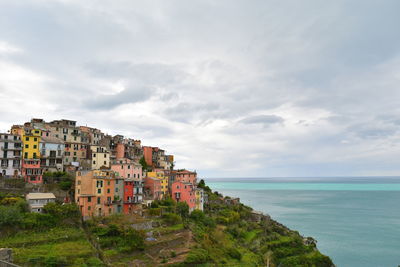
[(52, 238), (227, 233), (64, 180)]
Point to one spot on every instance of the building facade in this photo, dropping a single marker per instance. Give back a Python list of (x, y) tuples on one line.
[(184, 192), (10, 155)]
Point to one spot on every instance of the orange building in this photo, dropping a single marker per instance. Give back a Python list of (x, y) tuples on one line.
[(95, 193)]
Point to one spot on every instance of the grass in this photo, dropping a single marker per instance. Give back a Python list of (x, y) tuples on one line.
[(32, 248), (27, 238), (251, 235)]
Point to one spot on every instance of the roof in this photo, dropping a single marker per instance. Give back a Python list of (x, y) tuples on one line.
[(40, 195)]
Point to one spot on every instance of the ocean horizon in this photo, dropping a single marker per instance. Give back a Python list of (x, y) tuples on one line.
[(355, 220)]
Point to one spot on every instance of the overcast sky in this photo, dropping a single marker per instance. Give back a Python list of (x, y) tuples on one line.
[(232, 88)]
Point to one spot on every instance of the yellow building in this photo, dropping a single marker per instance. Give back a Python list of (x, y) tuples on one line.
[(31, 142), (163, 178), (100, 157), (199, 199)]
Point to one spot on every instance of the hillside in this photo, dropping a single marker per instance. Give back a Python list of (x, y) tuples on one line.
[(227, 233)]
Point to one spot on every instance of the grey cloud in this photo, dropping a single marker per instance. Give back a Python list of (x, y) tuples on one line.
[(145, 73), (128, 95), (264, 120)]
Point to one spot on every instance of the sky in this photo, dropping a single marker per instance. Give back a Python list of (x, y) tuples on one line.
[(261, 88)]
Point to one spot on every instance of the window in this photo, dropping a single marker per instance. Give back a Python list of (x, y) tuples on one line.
[(34, 155), (88, 208), (89, 199), (79, 191), (98, 200), (129, 175), (79, 182), (35, 139), (105, 155), (108, 182), (26, 138), (105, 162), (94, 155), (129, 166), (116, 189), (108, 190), (94, 162), (99, 191), (34, 146), (26, 146)]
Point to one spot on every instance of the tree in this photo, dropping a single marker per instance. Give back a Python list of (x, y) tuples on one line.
[(182, 208), (143, 162)]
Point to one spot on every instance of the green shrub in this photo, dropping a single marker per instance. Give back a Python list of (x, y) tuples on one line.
[(182, 208), (171, 218), (234, 253), (197, 256), (10, 216)]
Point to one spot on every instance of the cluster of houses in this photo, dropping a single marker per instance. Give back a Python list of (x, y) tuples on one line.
[(108, 170)]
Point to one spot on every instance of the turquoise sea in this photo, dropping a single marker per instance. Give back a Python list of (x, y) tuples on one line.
[(355, 220)]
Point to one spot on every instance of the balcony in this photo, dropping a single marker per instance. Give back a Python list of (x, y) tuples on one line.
[(132, 201), (11, 148)]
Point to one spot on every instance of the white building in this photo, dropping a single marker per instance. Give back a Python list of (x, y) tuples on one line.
[(10, 155), (37, 201)]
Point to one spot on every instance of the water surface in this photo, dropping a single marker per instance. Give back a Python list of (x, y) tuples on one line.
[(355, 220)]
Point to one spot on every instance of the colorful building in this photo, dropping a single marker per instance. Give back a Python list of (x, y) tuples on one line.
[(163, 179), (95, 193), (184, 192), (186, 176), (10, 155), (152, 188), (31, 156), (100, 157), (51, 154), (199, 199)]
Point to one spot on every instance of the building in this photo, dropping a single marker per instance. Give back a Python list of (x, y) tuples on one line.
[(133, 196), (100, 157), (37, 201), (163, 179), (51, 154), (199, 199), (152, 188), (184, 192), (10, 155), (127, 168), (31, 170), (186, 176), (95, 193)]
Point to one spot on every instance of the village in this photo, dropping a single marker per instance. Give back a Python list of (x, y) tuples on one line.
[(111, 174)]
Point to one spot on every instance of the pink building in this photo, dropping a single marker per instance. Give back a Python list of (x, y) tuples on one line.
[(152, 188), (184, 192), (127, 169), (186, 176)]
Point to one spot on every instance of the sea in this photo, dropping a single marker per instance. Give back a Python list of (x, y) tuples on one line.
[(356, 220)]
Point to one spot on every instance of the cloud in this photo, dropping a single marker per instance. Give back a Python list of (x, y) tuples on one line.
[(273, 88), (264, 120)]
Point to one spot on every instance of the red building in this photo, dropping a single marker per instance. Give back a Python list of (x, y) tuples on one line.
[(31, 171), (184, 192), (186, 176), (128, 196), (148, 155), (152, 188)]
